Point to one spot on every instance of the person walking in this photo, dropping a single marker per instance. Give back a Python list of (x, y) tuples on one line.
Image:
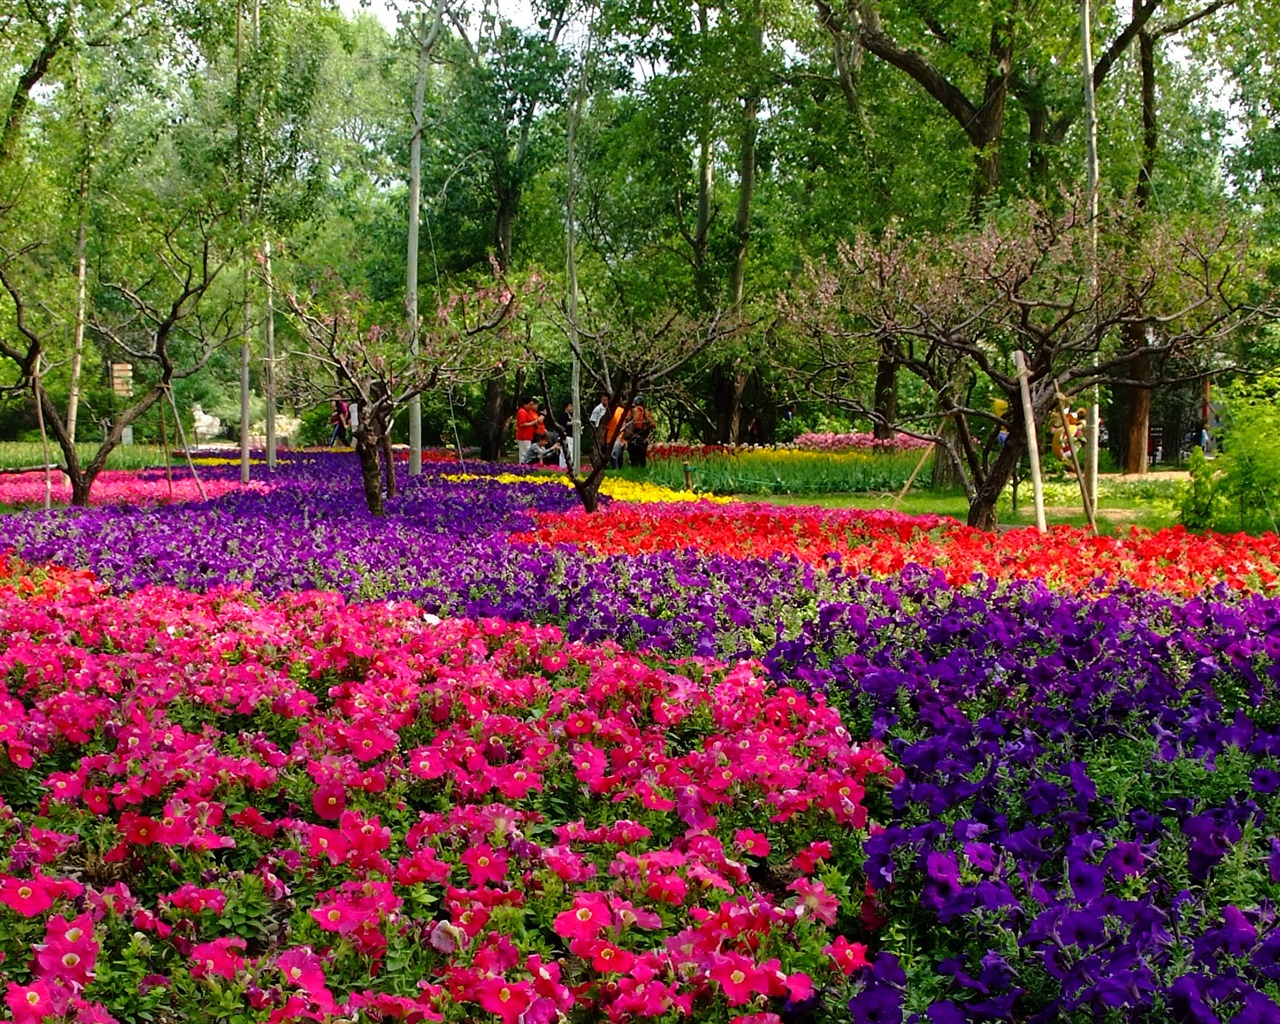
[(341, 420)]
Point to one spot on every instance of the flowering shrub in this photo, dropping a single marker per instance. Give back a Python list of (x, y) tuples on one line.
[(635, 491), (299, 809), (1089, 815), (683, 451), (1084, 824), (780, 470)]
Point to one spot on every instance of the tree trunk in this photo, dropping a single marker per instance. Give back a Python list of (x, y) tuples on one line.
[(82, 237), (589, 491), (982, 509), (948, 473), (986, 179), (1139, 398), (886, 396), (81, 479), (492, 428), (1150, 127), (80, 491), (1037, 145), (746, 168), (989, 127), (1135, 456), (426, 43), (388, 463), (737, 390), (371, 477), (77, 347)]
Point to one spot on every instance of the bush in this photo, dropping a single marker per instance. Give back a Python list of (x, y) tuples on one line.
[(1245, 489), (1200, 495), (316, 428)]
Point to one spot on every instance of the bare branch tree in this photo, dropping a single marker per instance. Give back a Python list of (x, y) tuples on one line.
[(622, 359), (952, 311), (157, 314), (351, 356)]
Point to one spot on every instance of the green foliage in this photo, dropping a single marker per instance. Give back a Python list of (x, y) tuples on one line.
[(781, 471), (20, 454), (1249, 464), (1200, 495), (316, 428)]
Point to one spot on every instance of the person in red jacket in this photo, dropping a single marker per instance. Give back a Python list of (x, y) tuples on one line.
[(528, 424)]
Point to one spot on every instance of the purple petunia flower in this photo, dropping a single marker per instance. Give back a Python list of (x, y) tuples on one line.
[(1187, 1003), (1087, 881), (1125, 860)]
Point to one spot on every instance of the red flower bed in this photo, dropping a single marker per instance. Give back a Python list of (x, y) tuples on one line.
[(1172, 560)]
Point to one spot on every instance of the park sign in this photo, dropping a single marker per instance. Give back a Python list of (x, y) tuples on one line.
[(122, 379)]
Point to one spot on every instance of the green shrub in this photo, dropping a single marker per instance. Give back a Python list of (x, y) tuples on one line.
[(1200, 496), (316, 428), (1249, 465)]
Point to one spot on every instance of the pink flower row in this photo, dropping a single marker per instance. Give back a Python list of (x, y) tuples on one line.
[(858, 440), (530, 825), (115, 487)]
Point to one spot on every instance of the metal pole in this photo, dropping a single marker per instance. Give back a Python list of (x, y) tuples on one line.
[(1093, 420), (270, 338), (246, 310), (1033, 443), (571, 266), (411, 263)]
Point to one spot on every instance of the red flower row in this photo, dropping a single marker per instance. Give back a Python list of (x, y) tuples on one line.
[(881, 543)]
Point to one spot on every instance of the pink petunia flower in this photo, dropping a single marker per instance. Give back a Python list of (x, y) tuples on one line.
[(849, 956), (589, 916), (506, 999)]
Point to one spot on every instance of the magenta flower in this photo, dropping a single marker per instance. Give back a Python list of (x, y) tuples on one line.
[(221, 957), (30, 1004), (508, 1000), (589, 916), (739, 977)]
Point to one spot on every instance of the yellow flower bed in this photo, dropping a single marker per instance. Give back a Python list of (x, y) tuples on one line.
[(619, 490), (213, 460), (642, 492), (796, 456)]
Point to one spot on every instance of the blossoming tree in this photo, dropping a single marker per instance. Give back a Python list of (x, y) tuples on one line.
[(952, 311), (621, 357), (349, 354), (167, 325)]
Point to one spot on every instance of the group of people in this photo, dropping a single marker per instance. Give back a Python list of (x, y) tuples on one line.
[(615, 429), (538, 441), (619, 429)]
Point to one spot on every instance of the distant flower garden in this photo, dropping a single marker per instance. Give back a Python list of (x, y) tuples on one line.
[(965, 777), (117, 487)]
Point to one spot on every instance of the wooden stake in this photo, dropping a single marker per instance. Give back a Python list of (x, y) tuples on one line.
[(1033, 443), (164, 447), (919, 466), (1075, 465)]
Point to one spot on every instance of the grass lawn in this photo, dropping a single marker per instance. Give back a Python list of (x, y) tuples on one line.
[(29, 454), (1150, 502)]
